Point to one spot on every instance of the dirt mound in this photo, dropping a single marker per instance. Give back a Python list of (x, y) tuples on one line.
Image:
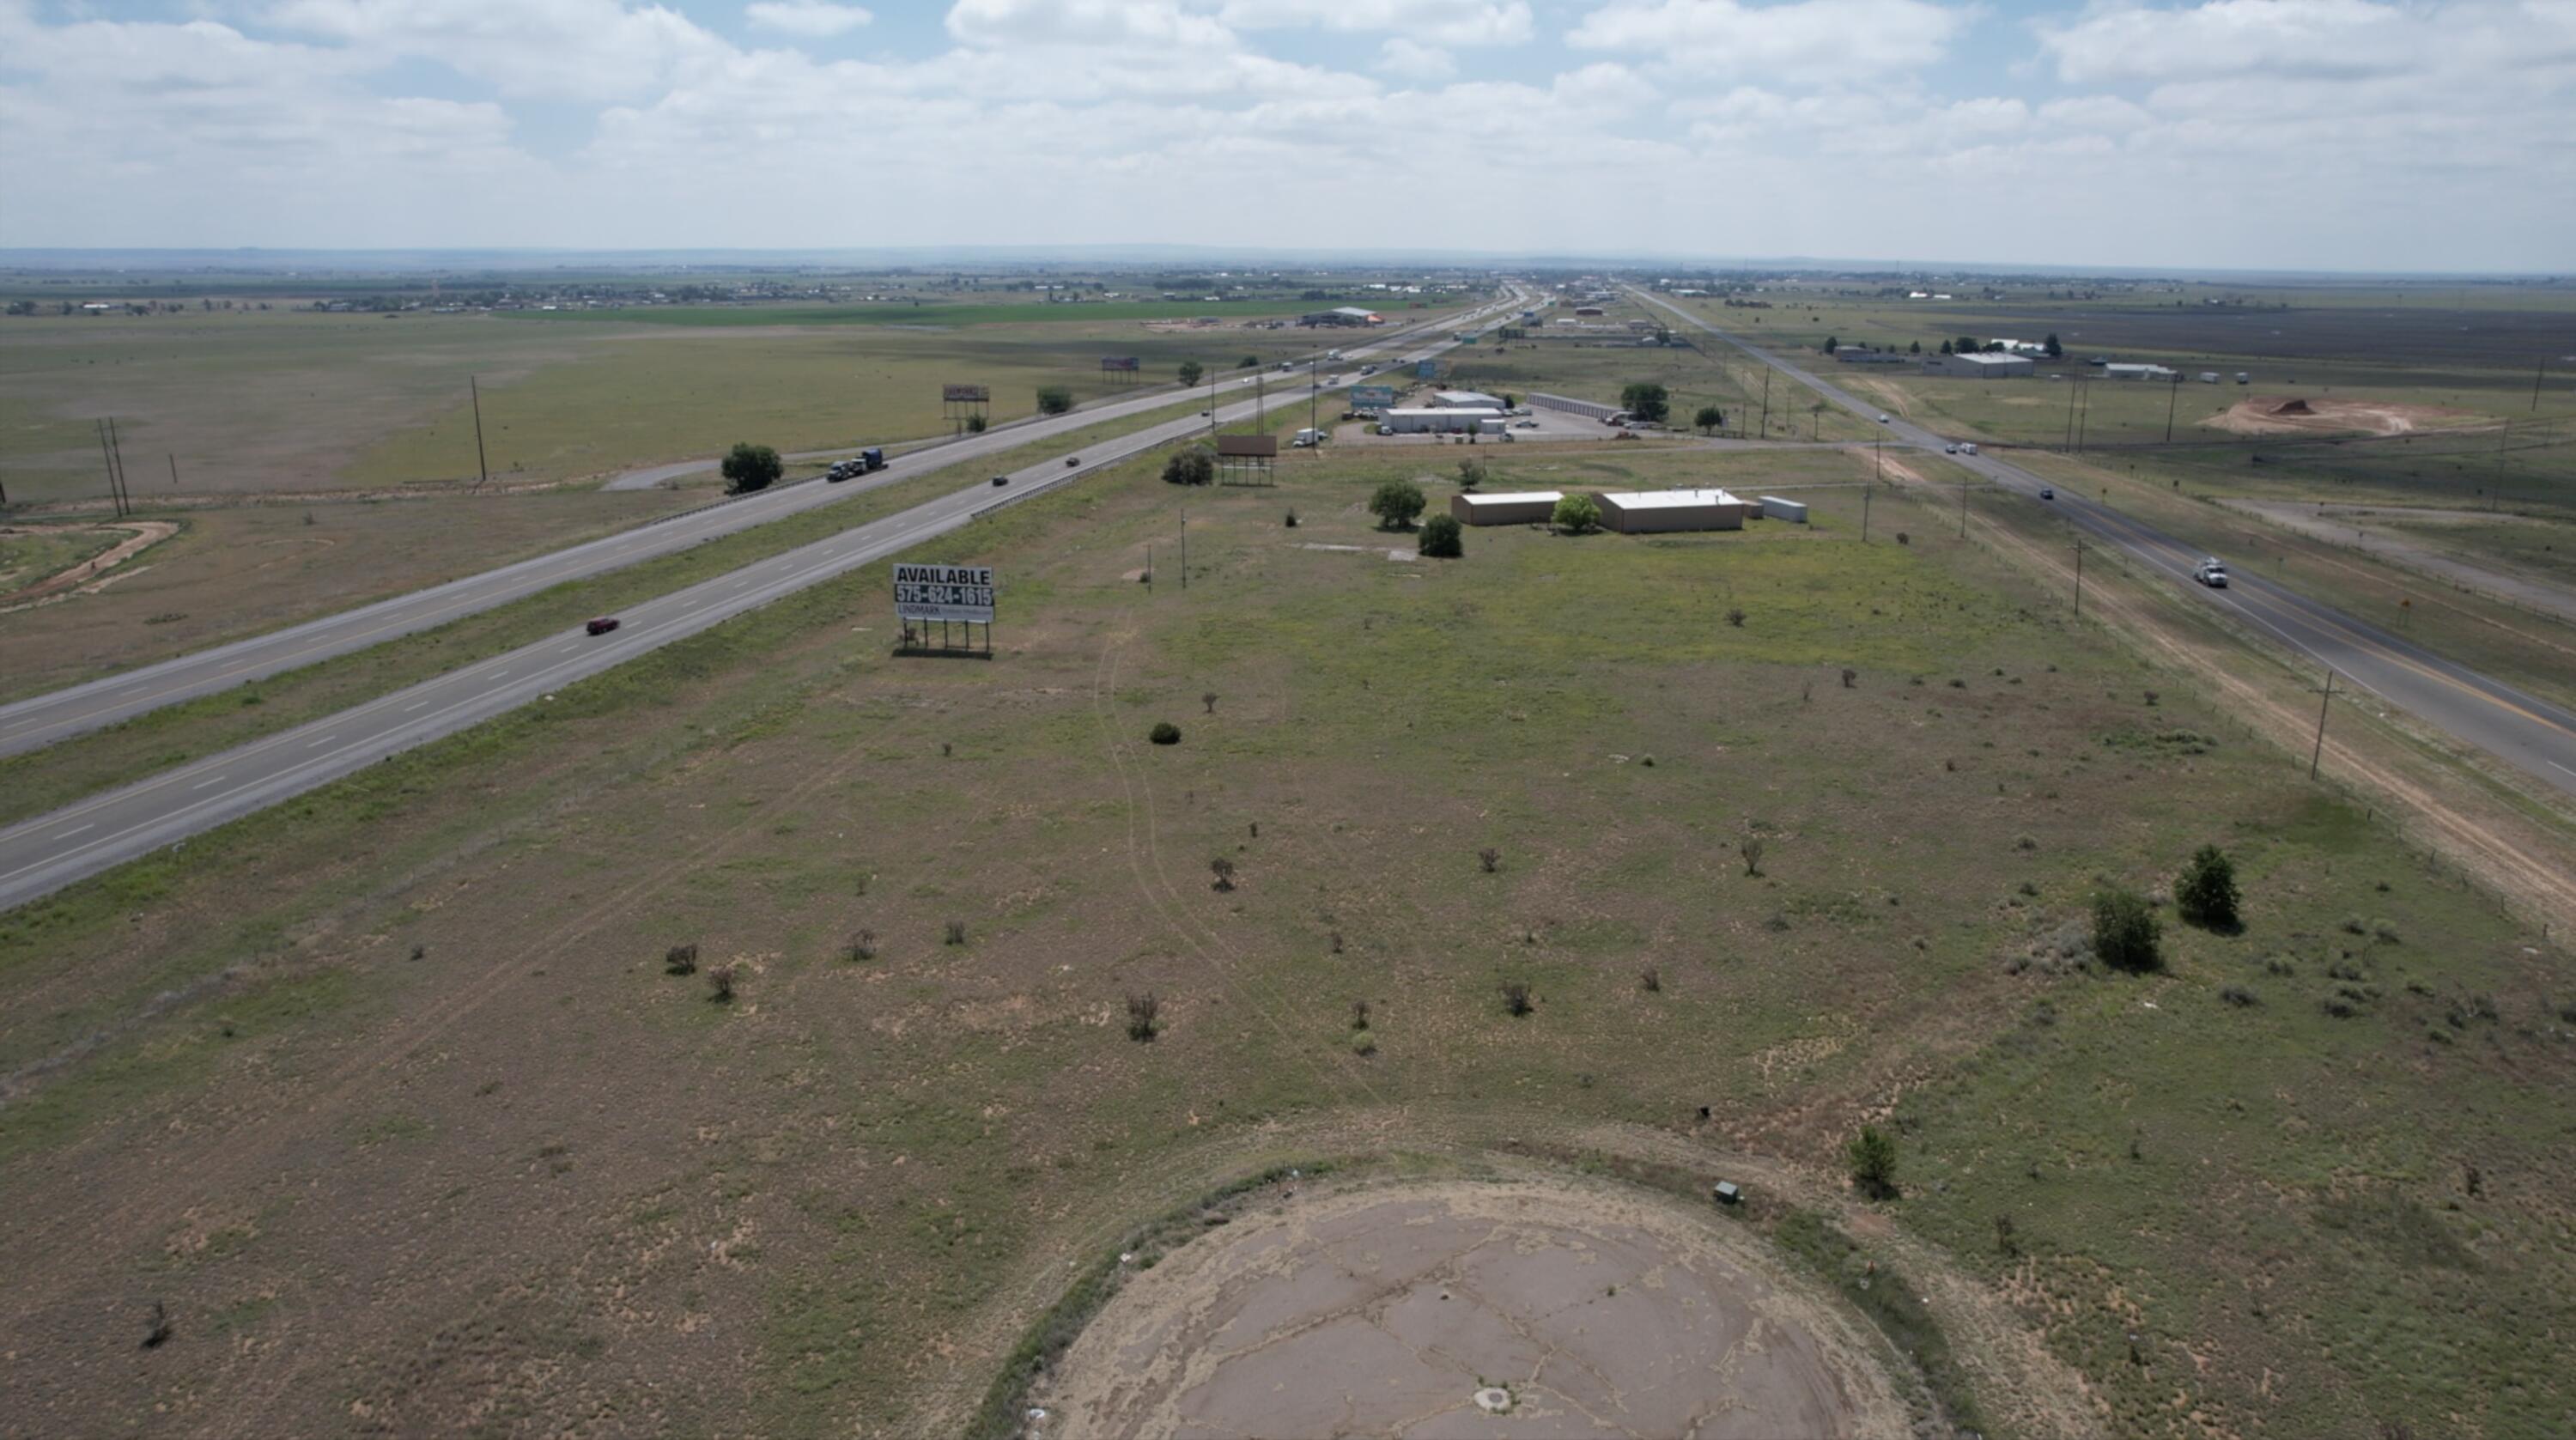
[(1422, 1309), (2300, 414)]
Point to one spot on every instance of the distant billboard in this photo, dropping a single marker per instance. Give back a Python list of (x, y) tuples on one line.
[(1129, 363), (1246, 447), (1372, 397), (1425, 369), (944, 592), (966, 394)]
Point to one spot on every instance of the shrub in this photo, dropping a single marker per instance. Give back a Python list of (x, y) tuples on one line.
[(1164, 733), (1359, 1014), (2384, 930), (1190, 466), (1292, 519), (1751, 847), (1442, 538), (2125, 932), (720, 984), (1396, 503), (1849, 675), (1650, 980), (1209, 700), (1054, 399), (1223, 869), (1143, 1011), (680, 960), (746, 468), (1472, 473), (2239, 996), (1490, 858), (1337, 942), (862, 946), (1872, 1156), (2206, 893), (1516, 997), (1735, 618), (2006, 1243), (955, 933), (1904, 539), (1576, 514)]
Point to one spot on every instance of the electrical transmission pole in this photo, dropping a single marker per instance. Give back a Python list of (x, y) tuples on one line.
[(2327, 691), (480, 464), (2080, 548), (2174, 395)]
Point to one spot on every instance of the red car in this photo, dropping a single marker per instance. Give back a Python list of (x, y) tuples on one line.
[(604, 624)]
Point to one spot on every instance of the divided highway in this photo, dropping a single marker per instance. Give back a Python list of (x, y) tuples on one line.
[(2527, 732), (57, 715), (42, 855)]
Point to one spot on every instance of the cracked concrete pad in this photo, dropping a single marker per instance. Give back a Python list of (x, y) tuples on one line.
[(1381, 1311)]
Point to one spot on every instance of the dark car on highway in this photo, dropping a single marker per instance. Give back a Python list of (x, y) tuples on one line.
[(603, 624), (1001, 479)]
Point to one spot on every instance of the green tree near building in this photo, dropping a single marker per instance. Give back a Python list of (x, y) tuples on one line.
[(1054, 399), (1576, 514), (2051, 346), (1709, 419), (1442, 538), (1396, 503), (1646, 400), (748, 468)]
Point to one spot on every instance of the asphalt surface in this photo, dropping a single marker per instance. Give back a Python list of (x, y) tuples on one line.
[(60, 714), (2526, 732), (42, 855)]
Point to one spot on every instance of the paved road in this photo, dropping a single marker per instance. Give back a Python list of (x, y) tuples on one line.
[(42, 855), (2527, 732), (43, 719)]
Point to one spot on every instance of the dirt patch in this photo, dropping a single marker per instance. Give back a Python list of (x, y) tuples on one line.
[(1402, 1310), (90, 574), (2304, 415)]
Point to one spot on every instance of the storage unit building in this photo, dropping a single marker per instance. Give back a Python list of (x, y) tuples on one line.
[(1417, 420), (2138, 372), (1642, 511), (1775, 508), (1466, 400), (1521, 507)]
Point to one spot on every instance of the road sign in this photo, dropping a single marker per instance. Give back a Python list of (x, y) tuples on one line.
[(944, 592), (1372, 397)]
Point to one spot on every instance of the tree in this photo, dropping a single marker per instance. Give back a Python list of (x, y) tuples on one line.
[(1442, 538), (1248, 362), (2125, 933), (1645, 400), (1968, 345), (749, 467), (1945, 347), (1396, 503), (2206, 894), (974, 424), (1872, 1154), (1054, 400), (2051, 346), (1190, 373), (1192, 466), (1915, 348), (1471, 473), (1576, 514), (1709, 419), (1832, 344), (1511, 401)]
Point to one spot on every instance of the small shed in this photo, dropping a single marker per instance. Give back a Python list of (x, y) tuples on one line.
[(1645, 511), (1726, 1193), (1775, 508), (1520, 507)]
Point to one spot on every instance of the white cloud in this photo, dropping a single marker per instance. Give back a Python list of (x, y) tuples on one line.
[(1442, 22), (1163, 23), (557, 49), (1412, 60), (812, 19), (1810, 42)]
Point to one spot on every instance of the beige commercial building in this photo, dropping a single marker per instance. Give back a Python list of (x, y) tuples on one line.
[(1642, 511), (1521, 507)]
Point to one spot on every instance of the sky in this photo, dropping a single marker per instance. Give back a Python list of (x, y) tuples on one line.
[(2363, 135)]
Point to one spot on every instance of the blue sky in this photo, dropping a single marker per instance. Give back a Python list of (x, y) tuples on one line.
[(2298, 134)]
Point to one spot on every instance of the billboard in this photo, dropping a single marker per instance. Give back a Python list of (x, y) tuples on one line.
[(1128, 363), (1425, 369), (1244, 447), (1372, 397), (944, 592), (966, 394)]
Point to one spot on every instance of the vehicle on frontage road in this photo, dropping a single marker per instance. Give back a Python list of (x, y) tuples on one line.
[(603, 624), (2047, 492), (2212, 573)]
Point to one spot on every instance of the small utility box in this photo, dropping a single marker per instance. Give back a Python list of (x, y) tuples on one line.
[(1726, 1193)]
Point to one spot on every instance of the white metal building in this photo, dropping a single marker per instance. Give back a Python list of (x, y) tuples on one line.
[(1417, 420), (1520, 507), (2138, 372), (1979, 366), (1636, 511), (1467, 400)]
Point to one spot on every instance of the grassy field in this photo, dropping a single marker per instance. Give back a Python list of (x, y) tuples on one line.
[(412, 1037), (34, 553)]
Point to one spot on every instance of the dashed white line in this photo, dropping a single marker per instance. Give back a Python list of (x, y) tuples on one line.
[(202, 784), (75, 830), (416, 704), (325, 740)]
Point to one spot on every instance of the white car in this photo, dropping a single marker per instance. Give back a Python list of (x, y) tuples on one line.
[(1882, 419), (1949, 449), (2212, 573)]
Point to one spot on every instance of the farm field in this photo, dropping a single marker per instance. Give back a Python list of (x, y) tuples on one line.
[(384, 1090)]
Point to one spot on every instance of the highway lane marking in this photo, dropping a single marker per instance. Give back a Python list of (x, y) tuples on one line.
[(325, 740), (202, 784), (2555, 765), (416, 704), (67, 834)]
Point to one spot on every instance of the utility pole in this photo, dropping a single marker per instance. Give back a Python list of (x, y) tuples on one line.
[(2495, 492), (2080, 548), (115, 497), (1314, 390), (480, 464), (2535, 384), (174, 472), (1963, 509), (1185, 547), (116, 444), (1766, 403), (2069, 446), (2083, 416), (1867, 493), (2174, 394), (2327, 691)]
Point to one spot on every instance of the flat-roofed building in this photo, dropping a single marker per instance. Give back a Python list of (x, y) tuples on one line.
[(1982, 365), (1415, 420), (1519, 507), (1466, 400), (1643, 511)]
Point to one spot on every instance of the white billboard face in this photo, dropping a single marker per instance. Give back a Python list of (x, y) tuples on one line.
[(944, 592)]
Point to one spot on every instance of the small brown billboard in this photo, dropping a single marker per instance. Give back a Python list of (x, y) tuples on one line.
[(966, 394), (1247, 447)]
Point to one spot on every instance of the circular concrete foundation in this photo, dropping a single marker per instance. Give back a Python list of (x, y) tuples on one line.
[(1401, 1310)]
